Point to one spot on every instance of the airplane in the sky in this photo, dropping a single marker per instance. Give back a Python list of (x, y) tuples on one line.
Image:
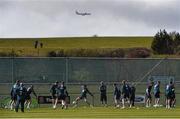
[(82, 14)]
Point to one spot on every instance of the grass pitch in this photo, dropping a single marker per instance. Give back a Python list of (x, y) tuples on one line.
[(95, 112)]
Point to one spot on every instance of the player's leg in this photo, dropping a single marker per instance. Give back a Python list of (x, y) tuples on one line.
[(158, 101), (166, 101), (131, 102), (63, 102), (76, 101), (22, 105), (29, 103), (169, 103), (173, 102), (155, 101), (128, 99), (56, 102), (85, 100), (118, 102), (123, 101), (148, 102), (105, 100), (115, 101), (17, 105), (101, 99), (53, 100), (11, 104)]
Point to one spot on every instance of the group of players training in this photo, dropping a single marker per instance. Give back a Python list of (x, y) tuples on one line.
[(170, 97), (20, 95), (59, 93)]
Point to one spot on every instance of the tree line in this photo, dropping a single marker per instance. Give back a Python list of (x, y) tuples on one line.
[(166, 43)]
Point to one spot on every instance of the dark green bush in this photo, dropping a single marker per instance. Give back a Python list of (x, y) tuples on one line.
[(3, 54), (139, 53), (87, 53)]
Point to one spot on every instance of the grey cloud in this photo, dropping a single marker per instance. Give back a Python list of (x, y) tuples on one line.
[(48, 18)]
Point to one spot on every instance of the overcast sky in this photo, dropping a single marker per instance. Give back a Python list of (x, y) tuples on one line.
[(57, 18)]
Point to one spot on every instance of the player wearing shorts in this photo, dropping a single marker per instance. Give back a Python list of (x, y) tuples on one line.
[(61, 93), (30, 90), (103, 96), (117, 95), (125, 93), (83, 96), (53, 92), (14, 94), (157, 94), (148, 95)]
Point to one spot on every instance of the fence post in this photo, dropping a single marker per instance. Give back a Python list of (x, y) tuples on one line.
[(12, 69), (67, 69)]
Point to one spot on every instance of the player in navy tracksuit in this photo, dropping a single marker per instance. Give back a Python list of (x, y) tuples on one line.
[(148, 94), (83, 96), (103, 96), (168, 94), (21, 96), (173, 96), (117, 95), (132, 95), (125, 93), (157, 94), (28, 96), (61, 93), (53, 92), (14, 94)]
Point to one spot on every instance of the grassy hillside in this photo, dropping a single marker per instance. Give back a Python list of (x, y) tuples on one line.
[(25, 46), (81, 42)]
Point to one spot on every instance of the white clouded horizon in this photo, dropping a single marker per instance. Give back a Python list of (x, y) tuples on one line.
[(57, 18)]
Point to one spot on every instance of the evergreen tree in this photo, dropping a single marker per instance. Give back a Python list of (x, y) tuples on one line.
[(162, 43)]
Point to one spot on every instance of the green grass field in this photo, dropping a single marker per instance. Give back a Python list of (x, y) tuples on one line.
[(95, 112)]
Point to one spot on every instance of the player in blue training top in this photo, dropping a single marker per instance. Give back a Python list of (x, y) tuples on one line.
[(83, 96), (53, 92), (103, 95), (61, 93), (125, 93), (168, 94), (148, 94), (157, 94), (14, 94), (21, 96), (30, 90), (117, 95)]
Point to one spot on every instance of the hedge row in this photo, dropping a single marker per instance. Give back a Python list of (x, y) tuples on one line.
[(102, 52), (9, 54)]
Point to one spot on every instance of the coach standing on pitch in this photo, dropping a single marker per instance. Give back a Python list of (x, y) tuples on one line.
[(21, 95), (103, 95), (132, 95)]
